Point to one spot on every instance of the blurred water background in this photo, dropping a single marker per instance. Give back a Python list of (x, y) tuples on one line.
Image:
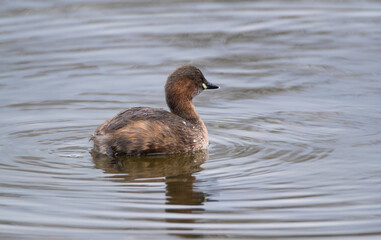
[(295, 129)]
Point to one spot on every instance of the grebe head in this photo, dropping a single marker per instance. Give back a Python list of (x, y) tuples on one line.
[(185, 83), (182, 86)]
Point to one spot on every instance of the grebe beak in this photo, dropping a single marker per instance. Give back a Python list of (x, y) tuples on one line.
[(209, 85)]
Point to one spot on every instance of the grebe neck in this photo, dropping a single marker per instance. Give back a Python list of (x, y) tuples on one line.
[(186, 110)]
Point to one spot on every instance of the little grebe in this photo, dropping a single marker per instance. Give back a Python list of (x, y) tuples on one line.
[(144, 130)]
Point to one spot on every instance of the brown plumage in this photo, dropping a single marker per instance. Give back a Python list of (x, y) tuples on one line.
[(144, 130)]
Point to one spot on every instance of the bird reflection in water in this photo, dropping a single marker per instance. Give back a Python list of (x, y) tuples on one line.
[(177, 171)]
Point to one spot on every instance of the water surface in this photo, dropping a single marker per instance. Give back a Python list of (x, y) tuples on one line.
[(295, 128)]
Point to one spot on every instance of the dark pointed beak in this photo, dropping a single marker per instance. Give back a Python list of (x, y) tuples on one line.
[(209, 85)]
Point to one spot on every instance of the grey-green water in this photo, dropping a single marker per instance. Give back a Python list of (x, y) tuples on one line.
[(295, 129)]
